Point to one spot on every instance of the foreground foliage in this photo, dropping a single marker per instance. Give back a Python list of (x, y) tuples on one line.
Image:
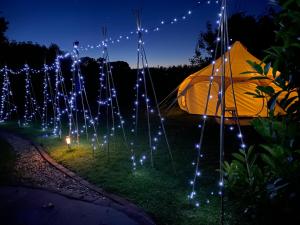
[(266, 177)]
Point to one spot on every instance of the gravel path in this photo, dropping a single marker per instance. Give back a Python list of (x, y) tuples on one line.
[(34, 168), (31, 169)]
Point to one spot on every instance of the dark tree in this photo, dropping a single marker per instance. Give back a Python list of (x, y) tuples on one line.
[(3, 29), (204, 46), (285, 54), (257, 34), (16, 54)]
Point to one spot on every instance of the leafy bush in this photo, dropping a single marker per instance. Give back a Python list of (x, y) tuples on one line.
[(244, 179), (279, 92), (264, 179)]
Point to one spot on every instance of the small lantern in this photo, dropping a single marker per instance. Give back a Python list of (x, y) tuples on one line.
[(68, 141)]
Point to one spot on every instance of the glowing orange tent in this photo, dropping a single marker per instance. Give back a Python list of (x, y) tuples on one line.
[(193, 91)]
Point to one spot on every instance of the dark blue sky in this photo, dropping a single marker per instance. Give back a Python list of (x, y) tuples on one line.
[(62, 22)]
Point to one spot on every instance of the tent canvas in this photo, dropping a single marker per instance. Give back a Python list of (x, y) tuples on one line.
[(193, 91)]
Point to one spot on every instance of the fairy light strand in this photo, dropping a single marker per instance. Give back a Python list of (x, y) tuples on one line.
[(143, 74), (7, 106), (108, 97), (122, 37), (79, 89), (31, 108)]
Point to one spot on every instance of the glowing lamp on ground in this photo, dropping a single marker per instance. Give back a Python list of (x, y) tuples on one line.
[(68, 141)]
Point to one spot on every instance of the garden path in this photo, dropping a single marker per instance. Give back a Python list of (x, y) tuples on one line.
[(48, 193)]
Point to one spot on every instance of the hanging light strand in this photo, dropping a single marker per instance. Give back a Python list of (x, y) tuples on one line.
[(161, 24), (7, 106), (109, 98), (198, 146), (79, 89), (143, 75)]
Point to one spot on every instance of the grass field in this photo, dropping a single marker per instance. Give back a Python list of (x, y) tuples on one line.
[(159, 191)]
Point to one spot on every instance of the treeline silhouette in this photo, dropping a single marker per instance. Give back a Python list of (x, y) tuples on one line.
[(256, 34)]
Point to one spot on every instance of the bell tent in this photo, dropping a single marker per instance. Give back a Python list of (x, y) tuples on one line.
[(193, 91)]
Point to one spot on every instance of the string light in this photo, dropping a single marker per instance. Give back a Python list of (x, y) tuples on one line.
[(79, 91), (119, 38), (107, 99), (142, 98), (47, 100), (7, 106), (223, 40), (193, 182), (155, 28), (61, 101), (31, 107)]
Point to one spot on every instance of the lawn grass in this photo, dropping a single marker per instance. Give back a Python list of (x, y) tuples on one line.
[(7, 162), (159, 191)]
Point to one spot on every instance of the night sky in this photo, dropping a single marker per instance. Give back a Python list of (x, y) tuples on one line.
[(62, 22)]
